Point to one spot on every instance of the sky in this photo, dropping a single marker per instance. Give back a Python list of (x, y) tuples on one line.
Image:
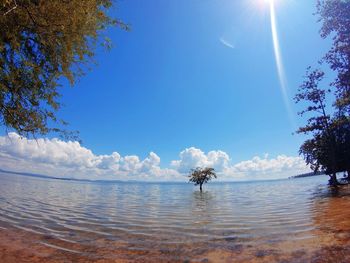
[(193, 83)]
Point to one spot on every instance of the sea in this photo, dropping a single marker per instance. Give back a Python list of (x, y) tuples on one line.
[(81, 221)]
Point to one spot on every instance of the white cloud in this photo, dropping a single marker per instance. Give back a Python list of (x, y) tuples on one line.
[(69, 159), (193, 157), (257, 168), (226, 43), (58, 158), (270, 168)]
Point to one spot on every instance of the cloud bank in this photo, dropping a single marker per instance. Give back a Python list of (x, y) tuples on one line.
[(54, 157)]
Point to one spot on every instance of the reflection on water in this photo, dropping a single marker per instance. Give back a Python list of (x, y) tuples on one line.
[(271, 221)]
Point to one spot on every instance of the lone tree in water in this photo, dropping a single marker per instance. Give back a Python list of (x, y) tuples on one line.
[(199, 176), (41, 43)]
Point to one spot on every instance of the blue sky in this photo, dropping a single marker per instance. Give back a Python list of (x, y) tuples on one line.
[(169, 83), (195, 74)]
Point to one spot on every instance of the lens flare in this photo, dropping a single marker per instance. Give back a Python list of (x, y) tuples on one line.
[(279, 63)]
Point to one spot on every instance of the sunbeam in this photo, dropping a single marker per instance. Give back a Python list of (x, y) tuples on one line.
[(279, 64)]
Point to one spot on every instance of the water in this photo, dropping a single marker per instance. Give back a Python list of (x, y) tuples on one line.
[(165, 221)]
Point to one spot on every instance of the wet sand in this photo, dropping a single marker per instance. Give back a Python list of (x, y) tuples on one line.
[(19, 246), (328, 241)]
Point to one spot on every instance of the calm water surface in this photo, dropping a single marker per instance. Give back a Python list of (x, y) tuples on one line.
[(167, 221)]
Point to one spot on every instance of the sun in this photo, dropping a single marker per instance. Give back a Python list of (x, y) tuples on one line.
[(263, 4), (269, 1)]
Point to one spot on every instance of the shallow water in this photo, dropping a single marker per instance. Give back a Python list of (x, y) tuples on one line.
[(174, 221)]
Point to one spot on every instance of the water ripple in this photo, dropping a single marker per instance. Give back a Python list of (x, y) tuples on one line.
[(141, 216)]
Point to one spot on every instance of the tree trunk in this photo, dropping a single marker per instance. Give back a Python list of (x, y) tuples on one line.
[(333, 180), (200, 187)]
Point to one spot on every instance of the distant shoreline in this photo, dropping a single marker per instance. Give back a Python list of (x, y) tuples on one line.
[(41, 176), (307, 175), (57, 178)]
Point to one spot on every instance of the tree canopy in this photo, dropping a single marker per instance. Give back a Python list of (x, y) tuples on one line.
[(328, 149), (40, 43), (335, 18), (200, 176)]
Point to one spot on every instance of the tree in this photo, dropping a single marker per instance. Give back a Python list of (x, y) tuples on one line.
[(342, 128), (320, 151), (328, 149), (40, 43), (324, 156), (335, 18), (199, 176)]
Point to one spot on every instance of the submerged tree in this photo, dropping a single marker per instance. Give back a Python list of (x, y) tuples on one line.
[(41, 42), (328, 149), (200, 176)]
